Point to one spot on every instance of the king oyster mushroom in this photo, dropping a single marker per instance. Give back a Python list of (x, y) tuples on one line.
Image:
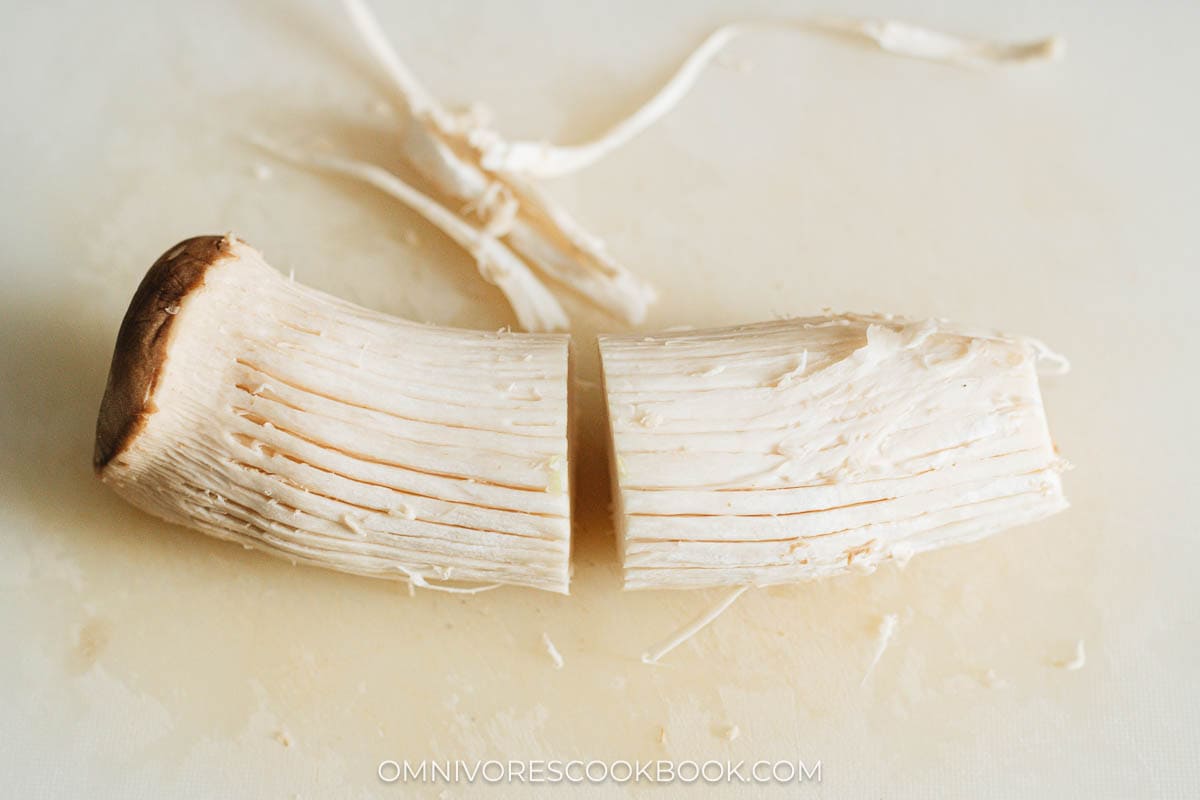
[(802, 448), (258, 410)]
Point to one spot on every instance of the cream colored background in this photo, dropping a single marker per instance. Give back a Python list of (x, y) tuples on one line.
[(142, 660)]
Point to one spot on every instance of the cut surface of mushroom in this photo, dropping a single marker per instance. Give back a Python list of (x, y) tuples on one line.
[(261, 411), (802, 448)]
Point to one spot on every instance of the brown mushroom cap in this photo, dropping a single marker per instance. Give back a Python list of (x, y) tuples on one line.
[(142, 342)]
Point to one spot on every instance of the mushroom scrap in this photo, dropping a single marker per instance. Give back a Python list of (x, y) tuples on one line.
[(480, 187), (801, 448), (261, 411)]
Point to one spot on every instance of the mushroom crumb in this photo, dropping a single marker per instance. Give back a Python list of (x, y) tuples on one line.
[(556, 475), (732, 732), (555, 656), (1077, 661), (993, 681), (794, 373), (283, 737), (404, 510), (902, 553), (887, 629), (650, 419)]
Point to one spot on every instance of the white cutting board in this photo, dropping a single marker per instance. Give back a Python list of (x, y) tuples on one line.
[(147, 661)]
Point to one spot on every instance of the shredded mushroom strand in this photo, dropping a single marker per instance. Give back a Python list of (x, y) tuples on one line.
[(535, 307), (545, 160), (416, 99), (518, 234), (437, 587), (416, 579), (437, 143), (692, 628)]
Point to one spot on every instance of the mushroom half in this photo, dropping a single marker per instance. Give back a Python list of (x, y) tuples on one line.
[(801, 448), (257, 410)]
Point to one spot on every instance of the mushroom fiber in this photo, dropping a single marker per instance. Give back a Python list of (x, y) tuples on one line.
[(260, 411), (803, 448), (481, 189)]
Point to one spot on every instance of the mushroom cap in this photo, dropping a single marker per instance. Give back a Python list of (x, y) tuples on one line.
[(144, 340)]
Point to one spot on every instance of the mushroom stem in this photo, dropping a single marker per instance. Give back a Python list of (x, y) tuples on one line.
[(258, 410), (801, 448)]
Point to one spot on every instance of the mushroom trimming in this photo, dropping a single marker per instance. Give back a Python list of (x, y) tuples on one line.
[(802, 448), (258, 410), (480, 185)]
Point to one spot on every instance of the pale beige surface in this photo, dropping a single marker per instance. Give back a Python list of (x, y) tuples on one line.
[(147, 661)]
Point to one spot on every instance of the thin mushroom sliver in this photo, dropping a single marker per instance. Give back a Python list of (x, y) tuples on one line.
[(258, 410), (481, 191), (802, 448)]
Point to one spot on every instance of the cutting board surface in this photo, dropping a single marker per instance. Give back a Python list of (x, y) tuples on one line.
[(145, 660)]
